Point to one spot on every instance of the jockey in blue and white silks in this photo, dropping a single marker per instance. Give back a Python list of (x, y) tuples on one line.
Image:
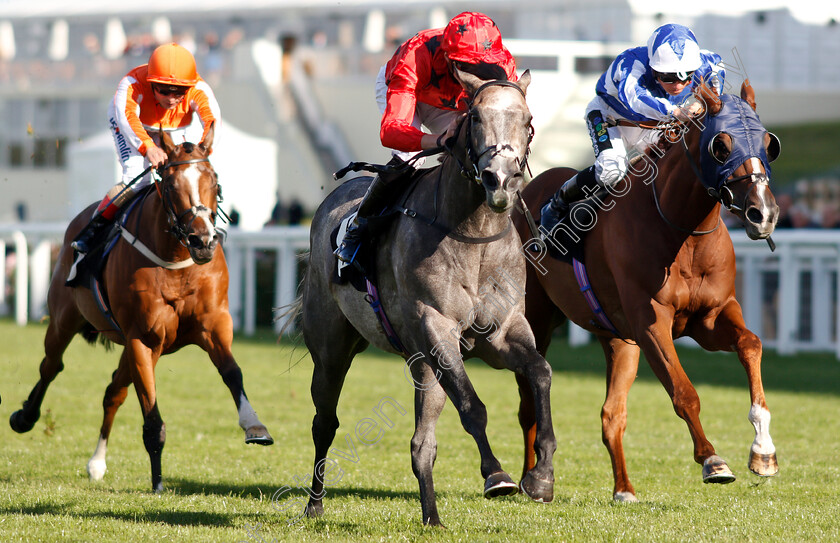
[(649, 83)]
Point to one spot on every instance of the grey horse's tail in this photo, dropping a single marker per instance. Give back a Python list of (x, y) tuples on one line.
[(292, 312)]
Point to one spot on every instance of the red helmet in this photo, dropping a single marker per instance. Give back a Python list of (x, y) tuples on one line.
[(473, 37), (171, 64)]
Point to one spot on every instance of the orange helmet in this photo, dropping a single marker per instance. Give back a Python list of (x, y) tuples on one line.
[(171, 64), (473, 37)]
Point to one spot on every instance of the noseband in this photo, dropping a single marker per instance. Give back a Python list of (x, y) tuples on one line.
[(178, 228), (474, 174)]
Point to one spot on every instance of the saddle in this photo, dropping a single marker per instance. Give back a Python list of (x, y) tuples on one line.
[(91, 265), (364, 265), (86, 270)]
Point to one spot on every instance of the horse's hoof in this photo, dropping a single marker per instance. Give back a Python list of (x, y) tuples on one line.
[(314, 510), (158, 488), (258, 435), (537, 489), (715, 470), (625, 497), (20, 423), (499, 484), (763, 465), (435, 523), (96, 469)]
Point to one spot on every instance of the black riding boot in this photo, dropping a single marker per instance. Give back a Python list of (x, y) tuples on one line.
[(571, 191), (374, 200), (91, 229)]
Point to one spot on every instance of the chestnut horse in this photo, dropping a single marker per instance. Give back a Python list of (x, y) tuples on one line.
[(167, 288), (450, 254), (662, 265)]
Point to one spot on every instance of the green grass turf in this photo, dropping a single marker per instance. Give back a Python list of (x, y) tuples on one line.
[(219, 489)]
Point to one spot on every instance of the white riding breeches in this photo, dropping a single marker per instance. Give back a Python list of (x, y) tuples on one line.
[(614, 146)]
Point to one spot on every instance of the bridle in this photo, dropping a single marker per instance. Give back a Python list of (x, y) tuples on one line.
[(723, 194), (474, 156), (178, 228)]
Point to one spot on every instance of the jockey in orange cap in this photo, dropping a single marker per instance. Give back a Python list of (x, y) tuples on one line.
[(167, 93), (417, 88)]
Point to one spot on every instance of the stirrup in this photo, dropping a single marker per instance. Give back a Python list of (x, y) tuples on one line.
[(343, 249), (352, 242)]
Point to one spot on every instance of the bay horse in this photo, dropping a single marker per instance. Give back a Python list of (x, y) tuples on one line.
[(662, 265), (447, 259), (166, 280)]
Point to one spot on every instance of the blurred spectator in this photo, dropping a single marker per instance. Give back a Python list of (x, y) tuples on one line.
[(233, 38), (278, 213), (187, 41), (830, 216), (91, 43), (800, 216), (211, 54), (785, 202), (295, 212), (234, 216)]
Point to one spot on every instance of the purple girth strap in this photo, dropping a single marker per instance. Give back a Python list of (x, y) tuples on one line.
[(586, 288), (373, 299)]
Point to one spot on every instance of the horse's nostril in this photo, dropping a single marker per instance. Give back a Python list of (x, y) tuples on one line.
[(754, 215), (194, 241), (489, 179), (514, 182)]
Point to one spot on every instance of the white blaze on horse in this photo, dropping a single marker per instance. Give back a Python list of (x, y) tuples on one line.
[(660, 265), (163, 286)]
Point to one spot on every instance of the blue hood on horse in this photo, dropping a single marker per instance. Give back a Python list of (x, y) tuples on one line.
[(741, 122)]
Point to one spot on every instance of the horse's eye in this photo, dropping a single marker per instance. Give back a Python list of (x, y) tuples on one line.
[(719, 147)]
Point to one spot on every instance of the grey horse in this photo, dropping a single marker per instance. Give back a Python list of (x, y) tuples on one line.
[(451, 280)]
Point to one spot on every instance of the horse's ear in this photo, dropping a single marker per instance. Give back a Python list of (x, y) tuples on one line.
[(470, 82), (524, 80), (709, 97), (207, 143), (166, 141), (747, 93)]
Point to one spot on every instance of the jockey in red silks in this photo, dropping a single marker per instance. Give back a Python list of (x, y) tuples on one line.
[(417, 88), (643, 84), (168, 94)]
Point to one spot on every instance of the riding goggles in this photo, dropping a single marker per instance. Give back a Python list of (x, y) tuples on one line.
[(679, 77), (170, 90)]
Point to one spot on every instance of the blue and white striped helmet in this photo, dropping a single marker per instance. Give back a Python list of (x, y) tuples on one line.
[(672, 48)]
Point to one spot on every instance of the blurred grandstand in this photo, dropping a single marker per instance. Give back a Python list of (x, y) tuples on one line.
[(294, 79)]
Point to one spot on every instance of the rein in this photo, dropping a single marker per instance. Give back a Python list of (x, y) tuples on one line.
[(659, 208), (448, 231)]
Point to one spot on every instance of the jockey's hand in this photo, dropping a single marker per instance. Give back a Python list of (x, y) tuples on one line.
[(688, 111), (430, 141), (156, 156)]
